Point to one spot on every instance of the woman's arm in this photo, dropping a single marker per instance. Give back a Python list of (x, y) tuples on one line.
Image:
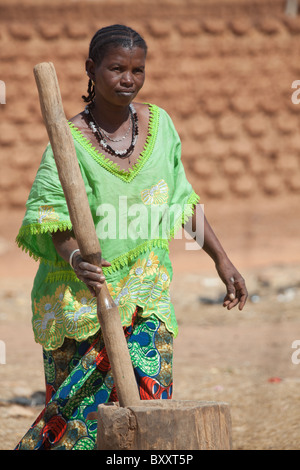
[(90, 274), (234, 282)]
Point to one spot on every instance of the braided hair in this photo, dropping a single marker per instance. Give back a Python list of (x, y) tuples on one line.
[(107, 37)]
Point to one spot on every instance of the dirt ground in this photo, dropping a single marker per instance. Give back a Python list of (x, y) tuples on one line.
[(241, 358)]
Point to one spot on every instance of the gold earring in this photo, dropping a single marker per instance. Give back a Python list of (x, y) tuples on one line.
[(93, 83)]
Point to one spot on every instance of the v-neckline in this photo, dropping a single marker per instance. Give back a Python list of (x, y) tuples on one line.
[(107, 163)]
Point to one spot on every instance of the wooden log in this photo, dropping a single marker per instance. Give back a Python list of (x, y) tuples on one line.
[(84, 229), (165, 425)]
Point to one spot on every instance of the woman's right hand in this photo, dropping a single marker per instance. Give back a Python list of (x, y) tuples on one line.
[(90, 274)]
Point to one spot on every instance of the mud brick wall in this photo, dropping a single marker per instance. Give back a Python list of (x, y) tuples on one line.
[(222, 69)]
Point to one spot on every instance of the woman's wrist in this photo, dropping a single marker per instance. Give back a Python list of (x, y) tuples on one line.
[(72, 256), (77, 258)]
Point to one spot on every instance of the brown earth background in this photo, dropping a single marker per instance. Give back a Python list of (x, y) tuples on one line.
[(224, 71)]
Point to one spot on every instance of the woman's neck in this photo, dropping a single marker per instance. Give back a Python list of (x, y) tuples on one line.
[(108, 116)]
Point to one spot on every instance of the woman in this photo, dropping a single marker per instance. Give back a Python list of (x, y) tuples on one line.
[(129, 156)]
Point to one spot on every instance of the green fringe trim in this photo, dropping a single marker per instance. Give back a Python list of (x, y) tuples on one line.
[(186, 214), (65, 276), (112, 167), (117, 263), (123, 260), (38, 229)]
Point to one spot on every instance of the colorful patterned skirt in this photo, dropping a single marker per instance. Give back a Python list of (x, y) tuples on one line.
[(79, 378)]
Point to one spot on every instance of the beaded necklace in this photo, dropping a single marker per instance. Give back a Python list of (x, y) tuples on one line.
[(102, 136)]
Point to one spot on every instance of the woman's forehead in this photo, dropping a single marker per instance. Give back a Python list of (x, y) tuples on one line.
[(121, 53)]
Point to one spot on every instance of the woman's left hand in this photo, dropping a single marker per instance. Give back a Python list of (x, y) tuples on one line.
[(90, 274), (235, 284)]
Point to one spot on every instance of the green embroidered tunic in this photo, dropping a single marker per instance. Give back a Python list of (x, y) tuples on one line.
[(136, 213)]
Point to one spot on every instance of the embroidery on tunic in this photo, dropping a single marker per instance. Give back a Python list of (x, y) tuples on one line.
[(75, 314), (157, 194), (46, 214)]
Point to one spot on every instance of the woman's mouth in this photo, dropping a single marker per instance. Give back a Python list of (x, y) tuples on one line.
[(125, 92)]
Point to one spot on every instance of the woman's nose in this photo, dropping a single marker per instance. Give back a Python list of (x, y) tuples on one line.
[(127, 78)]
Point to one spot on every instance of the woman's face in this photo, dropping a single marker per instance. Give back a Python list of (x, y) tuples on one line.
[(120, 76)]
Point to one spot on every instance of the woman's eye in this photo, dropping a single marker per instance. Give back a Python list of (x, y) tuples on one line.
[(139, 70)]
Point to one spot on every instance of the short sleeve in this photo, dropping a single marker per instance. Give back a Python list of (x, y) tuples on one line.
[(46, 212)]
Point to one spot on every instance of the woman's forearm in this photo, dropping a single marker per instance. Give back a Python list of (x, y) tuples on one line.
[(235, 284), (212, 245), (204, 232), (64, 243)]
